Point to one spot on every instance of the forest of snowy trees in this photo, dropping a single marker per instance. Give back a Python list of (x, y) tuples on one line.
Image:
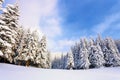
[(92, 53), (25, 47), (18, 45)]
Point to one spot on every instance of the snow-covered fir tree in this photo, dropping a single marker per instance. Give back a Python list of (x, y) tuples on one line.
[(63, 61), (8, 31), (20, 45), (117, 42), (96, 56), (32, 51), (34, 44), (83, 54), (70, 61), (86, 43), (111, 53), (49, 61), (41, 59), (59, 62), (56, 63), (25, 53), (75, 50), (99, 41), (1, 2), (20, 36)]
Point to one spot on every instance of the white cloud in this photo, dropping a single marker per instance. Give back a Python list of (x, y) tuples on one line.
[(66, 42), (51, 26), (29, 13), (35, 12), (110, 20), (63, 45), (42, 15), (107, 22)]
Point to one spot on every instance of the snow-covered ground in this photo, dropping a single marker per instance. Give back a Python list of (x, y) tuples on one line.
[(13, 72)]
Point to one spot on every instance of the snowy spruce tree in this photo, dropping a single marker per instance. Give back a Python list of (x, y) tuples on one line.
[(63, 61), (8, 31), (49, 61), (117, 42), (24, 50), (96, 56), (28, 48), (32, 51), (34, 44), (41, 59), (99, 41), (20, 46), (70, 61), (75, 50), (83, 54), (20, 37), (55, 63), (59, 62), (1, 2), (111, 53)]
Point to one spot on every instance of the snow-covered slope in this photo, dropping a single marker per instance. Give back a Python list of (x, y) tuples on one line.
[(13, 72)]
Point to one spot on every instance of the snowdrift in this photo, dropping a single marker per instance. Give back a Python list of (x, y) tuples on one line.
[(13, 72)]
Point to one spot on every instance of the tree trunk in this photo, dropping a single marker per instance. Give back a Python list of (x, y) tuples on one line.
[(27, 63), (4, 60), (19, 63)]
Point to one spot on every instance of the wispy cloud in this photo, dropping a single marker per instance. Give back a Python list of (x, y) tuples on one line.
[(107, 22), (39, 14), (111, 20), (63, 45), (50, 25), (44, 16)]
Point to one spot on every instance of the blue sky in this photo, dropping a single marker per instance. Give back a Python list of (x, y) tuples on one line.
[(82, 16), (65, 21)]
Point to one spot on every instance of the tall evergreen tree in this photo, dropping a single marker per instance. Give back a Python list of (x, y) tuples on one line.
[(25, 49), (83, 54), (70, 61), (117, 42), (49, 61), (96, 56), (63, 61), (41, 56), (20, 44), (8, 31), (111, 53), (99, 41), (75, 50), (1, 2), (56, 63)]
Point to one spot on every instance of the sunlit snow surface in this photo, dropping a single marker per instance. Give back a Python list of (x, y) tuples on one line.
[(13, 72)]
